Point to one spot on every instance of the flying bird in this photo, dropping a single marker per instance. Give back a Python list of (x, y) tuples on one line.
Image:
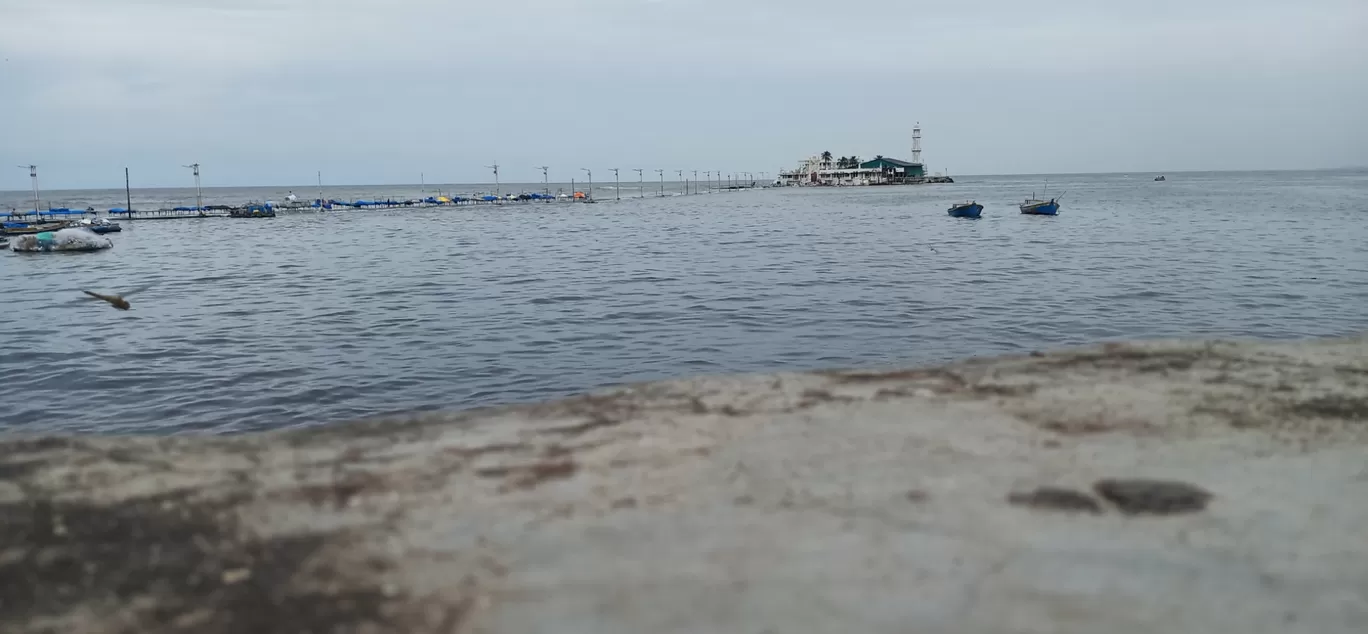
[(116, 301)]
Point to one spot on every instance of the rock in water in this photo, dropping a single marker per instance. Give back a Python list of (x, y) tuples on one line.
[(1232, 497)]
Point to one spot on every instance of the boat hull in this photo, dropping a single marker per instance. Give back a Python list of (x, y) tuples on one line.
[(1040, 208), (966, 211), (26, 229)]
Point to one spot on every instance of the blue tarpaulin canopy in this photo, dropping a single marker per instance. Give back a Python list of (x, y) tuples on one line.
[(119, 210), (490, 198)]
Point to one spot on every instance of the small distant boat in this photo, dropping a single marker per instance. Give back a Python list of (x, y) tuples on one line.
[(1160, 178), (1040, 207), (970, 209), (99, 225)]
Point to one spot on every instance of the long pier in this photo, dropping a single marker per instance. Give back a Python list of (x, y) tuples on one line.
[(271, 209)]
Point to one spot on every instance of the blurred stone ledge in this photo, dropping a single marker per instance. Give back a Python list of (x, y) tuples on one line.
[(1148, 487)]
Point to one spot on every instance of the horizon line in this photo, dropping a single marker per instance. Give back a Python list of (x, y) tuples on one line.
[(306, 187)]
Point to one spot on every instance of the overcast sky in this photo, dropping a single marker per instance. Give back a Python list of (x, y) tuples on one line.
[(270, 91)]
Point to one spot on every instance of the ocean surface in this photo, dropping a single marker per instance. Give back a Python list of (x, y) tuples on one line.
[(310, 319)]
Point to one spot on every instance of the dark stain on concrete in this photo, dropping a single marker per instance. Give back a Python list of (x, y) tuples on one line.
[(174, 563), (530, 476), (812, 398), (1125, 357), (1056, 499), (875, 377), (1334, 406), (596, 420), (341, 491), (17, 469), (1153, 497)]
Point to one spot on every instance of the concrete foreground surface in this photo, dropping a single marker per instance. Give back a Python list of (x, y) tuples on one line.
[(1130, 488)]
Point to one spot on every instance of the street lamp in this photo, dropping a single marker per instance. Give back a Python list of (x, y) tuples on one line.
[(591, 184), (709, 176), (199, 192), (641, 184), (546, 180), (662, 181), (617, 184), (495, 167), (681, 179), (33, 176)]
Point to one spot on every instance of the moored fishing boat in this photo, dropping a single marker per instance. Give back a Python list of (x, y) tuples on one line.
[(970, 209), (1040, 207), (99, 225), (28, 228)]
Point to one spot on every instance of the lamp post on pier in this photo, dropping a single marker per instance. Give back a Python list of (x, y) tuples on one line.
[(641, 183), (199, 192), (546, 180), (33, 176), (662, 181), (586, 170), (617, 184), (495, 167)]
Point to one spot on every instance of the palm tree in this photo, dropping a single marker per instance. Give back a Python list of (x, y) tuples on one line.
[(826, 157)]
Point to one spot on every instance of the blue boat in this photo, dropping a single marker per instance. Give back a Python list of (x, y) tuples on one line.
[(99, 226), (970, 209), (1040, 207)]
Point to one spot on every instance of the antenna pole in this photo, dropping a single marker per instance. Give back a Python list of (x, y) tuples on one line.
[(128, 194)]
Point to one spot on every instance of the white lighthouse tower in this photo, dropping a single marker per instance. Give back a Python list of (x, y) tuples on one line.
[(916, 144)]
